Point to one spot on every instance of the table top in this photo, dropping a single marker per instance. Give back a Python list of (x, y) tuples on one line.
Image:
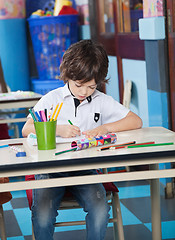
[(120, 157), (19, 96)]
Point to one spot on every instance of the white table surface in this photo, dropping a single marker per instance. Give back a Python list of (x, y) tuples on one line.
[(46, 162), (14, 101), (119, 157)]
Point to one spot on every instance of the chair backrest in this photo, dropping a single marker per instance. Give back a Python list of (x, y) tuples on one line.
[(127, 93), (3, 86)]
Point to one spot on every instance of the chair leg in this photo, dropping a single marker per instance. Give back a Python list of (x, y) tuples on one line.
[(2, 224), (33, 236), (118, 226)]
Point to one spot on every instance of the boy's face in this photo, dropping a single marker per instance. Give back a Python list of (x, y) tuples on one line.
[(82, 90)]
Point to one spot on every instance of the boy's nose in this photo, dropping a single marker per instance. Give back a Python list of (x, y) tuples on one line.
[(83, 91)]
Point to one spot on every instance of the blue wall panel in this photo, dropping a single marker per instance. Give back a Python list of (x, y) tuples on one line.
[(158, 108), (14, 53), (112, 88), (136, 72)]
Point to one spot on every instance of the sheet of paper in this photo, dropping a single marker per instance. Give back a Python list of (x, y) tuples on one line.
[(33, 141)]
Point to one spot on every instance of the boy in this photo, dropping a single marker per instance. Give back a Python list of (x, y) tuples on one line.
[(83, 68)]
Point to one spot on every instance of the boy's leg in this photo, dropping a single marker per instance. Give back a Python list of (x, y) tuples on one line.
[(46, 201), (92, 197)]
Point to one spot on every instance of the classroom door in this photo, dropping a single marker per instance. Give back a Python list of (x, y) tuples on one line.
[(170, 30)]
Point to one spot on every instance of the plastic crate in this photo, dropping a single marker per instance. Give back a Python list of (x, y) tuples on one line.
[(45, 86), (51, 36)]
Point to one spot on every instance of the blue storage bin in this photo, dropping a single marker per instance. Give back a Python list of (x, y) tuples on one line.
[(45, 86), (51, 36)]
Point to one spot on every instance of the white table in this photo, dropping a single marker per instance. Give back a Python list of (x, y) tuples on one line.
[(46, 162), (16, 102)]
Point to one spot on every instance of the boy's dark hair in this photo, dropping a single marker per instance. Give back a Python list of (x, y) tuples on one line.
[(85, 60)]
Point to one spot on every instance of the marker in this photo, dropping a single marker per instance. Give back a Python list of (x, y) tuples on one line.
[(151, 145), (61, 104), (43, 115), (70, 122), (54, 112), (65, 151), (118, 145), (138, 144), (45, 112)]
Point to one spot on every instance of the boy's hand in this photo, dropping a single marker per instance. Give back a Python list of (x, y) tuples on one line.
[(101, 130), (67, 131)]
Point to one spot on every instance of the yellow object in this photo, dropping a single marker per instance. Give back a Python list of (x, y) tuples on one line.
[(59, 4), (58, 111), (39, 12), (54, 112)]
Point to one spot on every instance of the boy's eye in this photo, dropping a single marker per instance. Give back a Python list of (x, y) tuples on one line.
[(77, 85), (92, 87)]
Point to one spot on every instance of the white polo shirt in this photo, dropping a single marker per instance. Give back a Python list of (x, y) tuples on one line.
[(89, 114)]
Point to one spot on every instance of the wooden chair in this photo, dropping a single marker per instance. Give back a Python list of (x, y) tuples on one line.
[(127, 93), (2, 224), (4, 197), (69, 202)]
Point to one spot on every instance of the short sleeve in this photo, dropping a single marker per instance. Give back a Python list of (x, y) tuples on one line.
[(112, 110)]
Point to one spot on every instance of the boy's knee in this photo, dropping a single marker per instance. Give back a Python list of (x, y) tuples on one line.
[(44, 216)]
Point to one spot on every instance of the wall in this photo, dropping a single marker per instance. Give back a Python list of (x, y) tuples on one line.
[(138, 72), (132, 70), (151, 105), (13, 44)]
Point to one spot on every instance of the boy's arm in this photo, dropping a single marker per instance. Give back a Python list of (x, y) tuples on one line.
[(131, 121), (28, 127), (65, 131)]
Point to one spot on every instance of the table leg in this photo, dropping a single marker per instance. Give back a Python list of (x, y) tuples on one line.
[(155, 206)]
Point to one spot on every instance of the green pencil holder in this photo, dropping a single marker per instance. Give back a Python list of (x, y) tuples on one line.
[(46, 135)]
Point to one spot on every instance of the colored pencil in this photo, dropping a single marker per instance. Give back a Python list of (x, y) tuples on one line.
[(34, 114), (118, 145), (54, 112), (137, 144), (3, 146), (10, 144), (61, 104), (151, 145), (70, 122), (65, 151), (13, 144)]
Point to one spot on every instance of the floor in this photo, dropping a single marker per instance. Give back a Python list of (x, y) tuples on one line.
[(136, 213)]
